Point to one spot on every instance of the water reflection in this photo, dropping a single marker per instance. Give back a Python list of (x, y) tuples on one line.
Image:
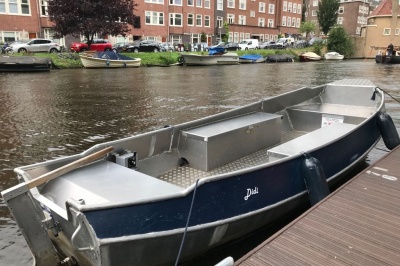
[(47, 115)]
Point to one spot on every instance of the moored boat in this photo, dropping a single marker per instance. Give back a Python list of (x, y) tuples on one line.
[(24, 64), (333, 56), (309, 56), (196, 185), (274, 58), (387, 59), (216, 56), (108, 60), (251, 58)]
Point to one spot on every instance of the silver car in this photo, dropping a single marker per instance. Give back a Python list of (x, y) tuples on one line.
[(35, 46)]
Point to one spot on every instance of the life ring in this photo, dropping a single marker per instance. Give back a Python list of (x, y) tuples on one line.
[(181, 60)]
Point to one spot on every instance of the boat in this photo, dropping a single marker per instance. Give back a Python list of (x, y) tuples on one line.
[(24, 64), (170, 195), (108, 59), (309, 56), (215, 56), (251, 58), (333, 56), (388, 59), (280, 58)]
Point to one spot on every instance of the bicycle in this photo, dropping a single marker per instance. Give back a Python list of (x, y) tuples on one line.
[(69, 55)]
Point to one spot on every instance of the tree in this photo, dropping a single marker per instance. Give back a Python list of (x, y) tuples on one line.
[(327, 14), (91, 17), (307, 27), (339, 41), (225, 37)]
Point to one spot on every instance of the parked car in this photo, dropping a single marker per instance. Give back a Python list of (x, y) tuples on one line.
[(249, 44), (99, 45), (203, 46), (120, 47), (167, 47), (314, 40), (229, 46), (266, 45), (283, 43), (144, 46), (35, 46)]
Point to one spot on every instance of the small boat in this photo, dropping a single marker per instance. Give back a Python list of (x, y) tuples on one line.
[(309, 56), (216, 56), (333, 56), (387, 59), (109, 59), (280, 58), (169, 195), (24, 64), (251, 58)]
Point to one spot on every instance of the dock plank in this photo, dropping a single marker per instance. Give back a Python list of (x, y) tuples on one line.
[(358, 224)]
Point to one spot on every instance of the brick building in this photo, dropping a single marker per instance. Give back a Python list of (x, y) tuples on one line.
[(178, 21)]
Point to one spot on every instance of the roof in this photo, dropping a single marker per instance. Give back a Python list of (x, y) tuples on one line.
[(384, 9)]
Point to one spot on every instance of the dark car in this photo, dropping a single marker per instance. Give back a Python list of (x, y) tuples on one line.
[(144, 46), (269, 45), (231, 46), (120, 47)]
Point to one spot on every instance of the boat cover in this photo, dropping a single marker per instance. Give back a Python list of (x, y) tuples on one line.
[(280, 58), (112, 56), (252, 57), (216, 50)]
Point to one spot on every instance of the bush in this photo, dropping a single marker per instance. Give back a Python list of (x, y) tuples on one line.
[(339, 41)]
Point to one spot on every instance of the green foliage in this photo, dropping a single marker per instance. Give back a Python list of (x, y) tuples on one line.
[(225, 37), (339, 41), (307, 27), (203, 37), (317, 47), (327, 14)]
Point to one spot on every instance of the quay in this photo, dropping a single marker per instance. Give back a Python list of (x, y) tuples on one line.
[(358, 224)]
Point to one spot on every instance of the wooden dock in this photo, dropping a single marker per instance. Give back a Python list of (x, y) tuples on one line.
[(358, 224)]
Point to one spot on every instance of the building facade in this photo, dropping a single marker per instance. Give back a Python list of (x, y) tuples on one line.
[(177, 21)]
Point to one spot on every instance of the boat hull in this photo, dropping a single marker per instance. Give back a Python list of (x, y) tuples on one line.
[(92, 62), (333, 56), (309, 56), (210, 60), (387, 59), (24, 64)]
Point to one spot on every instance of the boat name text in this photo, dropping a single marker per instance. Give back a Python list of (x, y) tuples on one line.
[(251, 192)]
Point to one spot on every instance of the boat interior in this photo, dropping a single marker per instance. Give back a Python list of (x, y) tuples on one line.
[(169, 160)]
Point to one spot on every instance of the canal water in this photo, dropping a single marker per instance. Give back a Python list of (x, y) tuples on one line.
[(47, 115)]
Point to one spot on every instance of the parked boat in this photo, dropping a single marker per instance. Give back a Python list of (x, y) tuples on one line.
[(24, 64), (309, 56), (280, 58), (251, 58), (333, 56), (108, 60), (171, 194), (387, 59), (216, 56)]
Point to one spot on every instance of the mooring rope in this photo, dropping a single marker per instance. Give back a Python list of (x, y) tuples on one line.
[(187, 224), (388, 94)]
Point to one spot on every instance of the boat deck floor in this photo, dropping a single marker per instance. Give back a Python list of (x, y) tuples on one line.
[(185, 176)]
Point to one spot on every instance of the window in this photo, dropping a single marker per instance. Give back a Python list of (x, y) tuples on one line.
[(284, 21), (315, 3), (154, 18), (289, 8), (231, 3), (261, 7), (358, 30), (242, 20), (284, 6), (386, 31), (298, 8), (175, 2), (298, 22), (220, 22), (156, 1), (175, 19), (206, 21), (199, 3), (397, 31), (294, 8), (340, 20), (199, 19), (189, 2), (261, 22), (242, 4), (190, 20), (289, 21), (231, 19), (314, 13), (341, 10), (43, 7), (247, 35), (220, 4), (293, 22), (270, 23), (236, 37), (252, 14), (207, 3), (271, 9), (230, 39), (266, 38), (15, 7)]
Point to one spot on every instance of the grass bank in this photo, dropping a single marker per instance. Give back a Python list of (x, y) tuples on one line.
[(155, 59)]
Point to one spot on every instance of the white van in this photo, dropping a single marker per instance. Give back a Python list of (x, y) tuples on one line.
[(248, 44)]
